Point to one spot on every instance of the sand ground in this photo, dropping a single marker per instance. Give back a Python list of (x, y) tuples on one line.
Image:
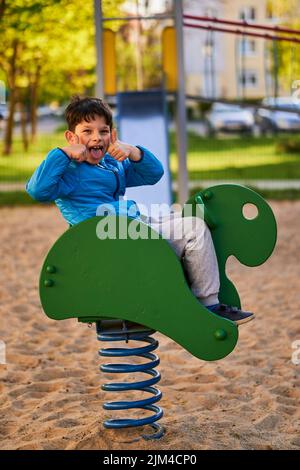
[(50, 387)]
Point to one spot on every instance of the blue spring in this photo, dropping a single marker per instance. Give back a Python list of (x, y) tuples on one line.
[(107, 330)]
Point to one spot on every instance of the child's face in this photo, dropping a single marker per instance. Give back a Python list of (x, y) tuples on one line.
[(95, 135)]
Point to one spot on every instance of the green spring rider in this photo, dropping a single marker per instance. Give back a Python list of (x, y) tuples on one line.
[(133, 287)]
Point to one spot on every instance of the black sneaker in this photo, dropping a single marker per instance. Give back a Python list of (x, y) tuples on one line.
[(233, 313)]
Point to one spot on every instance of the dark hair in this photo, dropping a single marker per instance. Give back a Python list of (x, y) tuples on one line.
[(85, 109)]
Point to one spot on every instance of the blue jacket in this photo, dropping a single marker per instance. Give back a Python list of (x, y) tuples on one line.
[(79, 188)]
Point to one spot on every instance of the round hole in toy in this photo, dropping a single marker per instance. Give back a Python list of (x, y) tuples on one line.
[(250, 211)]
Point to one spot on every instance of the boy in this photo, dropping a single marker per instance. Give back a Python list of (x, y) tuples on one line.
[(95, 169)]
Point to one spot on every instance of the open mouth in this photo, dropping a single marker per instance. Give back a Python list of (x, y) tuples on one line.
[(97, 151)]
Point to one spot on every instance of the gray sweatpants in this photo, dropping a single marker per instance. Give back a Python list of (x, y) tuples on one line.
[(191, 240)]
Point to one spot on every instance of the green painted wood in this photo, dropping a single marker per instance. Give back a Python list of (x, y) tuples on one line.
[(139, 280), (142, 280)]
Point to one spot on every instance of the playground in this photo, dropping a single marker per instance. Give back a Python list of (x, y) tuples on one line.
[(213, 383), (50, 391)]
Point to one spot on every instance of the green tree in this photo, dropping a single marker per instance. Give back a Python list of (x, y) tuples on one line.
[(2, 8), (47, 53), (288, 14), (47, 50)]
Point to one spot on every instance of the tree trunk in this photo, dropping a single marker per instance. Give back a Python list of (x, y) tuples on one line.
[(139, 52), (9, 125), (12, 101), (2, 8), (23, 115), (34, 103)]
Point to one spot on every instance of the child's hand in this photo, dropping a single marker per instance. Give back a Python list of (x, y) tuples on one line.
[(120, 150), (76, 152)]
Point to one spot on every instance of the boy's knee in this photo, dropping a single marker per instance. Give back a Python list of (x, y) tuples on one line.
[(194, 226), (187, 229)]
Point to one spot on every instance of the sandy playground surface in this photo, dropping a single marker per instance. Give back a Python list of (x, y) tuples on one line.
[(50, 396)]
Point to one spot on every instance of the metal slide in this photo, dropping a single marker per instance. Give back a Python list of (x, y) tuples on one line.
[(142, 120)]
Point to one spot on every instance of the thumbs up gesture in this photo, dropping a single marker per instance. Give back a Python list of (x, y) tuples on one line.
[(120, 150)]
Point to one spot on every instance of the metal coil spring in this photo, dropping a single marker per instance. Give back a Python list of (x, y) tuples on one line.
[(105, 333)]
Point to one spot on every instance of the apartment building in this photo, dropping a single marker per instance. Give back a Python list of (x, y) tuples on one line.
[(227, 65)]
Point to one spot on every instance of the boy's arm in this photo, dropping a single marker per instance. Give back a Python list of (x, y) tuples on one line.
[(140, 165), (46, 183), (147, 170)]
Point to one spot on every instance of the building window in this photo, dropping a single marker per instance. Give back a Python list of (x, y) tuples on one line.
[(211, 12), (248, 79), (269, 10), (247, 14), (247, 47)]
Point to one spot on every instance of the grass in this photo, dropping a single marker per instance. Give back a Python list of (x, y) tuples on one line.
[(229, 159), (236, 158), (19, 166), (18, 198), (275, 194)]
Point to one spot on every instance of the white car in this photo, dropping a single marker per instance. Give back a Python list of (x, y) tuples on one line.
[(3, 111), (4, 114), (270, 121), (229, 118), (45, 111)]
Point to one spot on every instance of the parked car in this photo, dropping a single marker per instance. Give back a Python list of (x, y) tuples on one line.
[(281, 120), (59, 111), (229, 118), (3, 112), (45, 111), (3, 115)]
